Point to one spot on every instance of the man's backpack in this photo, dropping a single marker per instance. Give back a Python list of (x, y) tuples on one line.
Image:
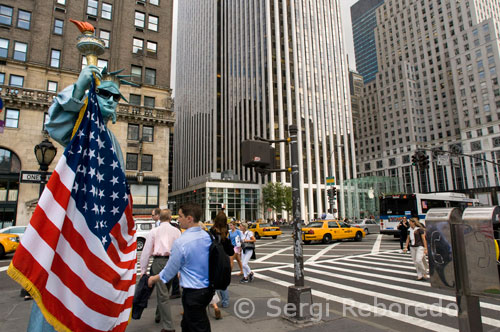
[(219, 266)]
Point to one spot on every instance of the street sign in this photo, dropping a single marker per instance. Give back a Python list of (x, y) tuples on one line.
[(33, 177), (330, 181), (444, 160)]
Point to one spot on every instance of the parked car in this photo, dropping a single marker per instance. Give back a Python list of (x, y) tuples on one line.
[(19, 230), (8, 243), (328, 230), (260, 230), (368, 225), (143, 227)]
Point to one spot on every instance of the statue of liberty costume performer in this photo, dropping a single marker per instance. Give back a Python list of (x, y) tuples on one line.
[(65, 115), (64, 111)]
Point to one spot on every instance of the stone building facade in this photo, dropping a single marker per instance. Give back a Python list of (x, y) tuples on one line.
[(38, 58)]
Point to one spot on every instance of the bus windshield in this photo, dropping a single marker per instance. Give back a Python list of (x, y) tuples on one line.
[(397, 205)]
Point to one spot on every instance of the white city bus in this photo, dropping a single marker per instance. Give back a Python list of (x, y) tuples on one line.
[(393, 208)]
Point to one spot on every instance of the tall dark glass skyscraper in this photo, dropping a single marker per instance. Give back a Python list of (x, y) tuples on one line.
[(364, 21)]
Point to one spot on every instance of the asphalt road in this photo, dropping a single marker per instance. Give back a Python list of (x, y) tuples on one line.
[(369, 281)]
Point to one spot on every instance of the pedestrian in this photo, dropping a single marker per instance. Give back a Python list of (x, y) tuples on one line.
[(176, 290), (159, 244), (417, 241), (248, 248), (155, 215), (403, 232), (235, 235), (220, 232), (190, 255)]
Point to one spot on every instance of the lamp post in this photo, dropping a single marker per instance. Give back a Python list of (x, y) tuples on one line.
[(140, 176), (45, 153)]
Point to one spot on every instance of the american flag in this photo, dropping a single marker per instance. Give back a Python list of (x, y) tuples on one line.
[(78, 256)]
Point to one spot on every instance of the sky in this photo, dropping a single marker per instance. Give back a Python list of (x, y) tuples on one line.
[(345, 7)]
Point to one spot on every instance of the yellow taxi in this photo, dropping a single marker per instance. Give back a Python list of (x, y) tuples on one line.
[(8, 243), (259, 230), (328, 230)]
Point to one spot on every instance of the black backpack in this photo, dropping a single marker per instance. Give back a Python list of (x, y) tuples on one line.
[(219, 266)]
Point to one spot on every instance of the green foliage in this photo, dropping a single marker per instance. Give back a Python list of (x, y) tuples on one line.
[(277, 197)]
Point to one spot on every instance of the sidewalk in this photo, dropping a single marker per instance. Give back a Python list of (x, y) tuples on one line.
[(15, 313), (259, 321)]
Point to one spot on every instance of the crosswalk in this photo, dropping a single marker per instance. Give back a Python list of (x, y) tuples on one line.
[(380, 287)]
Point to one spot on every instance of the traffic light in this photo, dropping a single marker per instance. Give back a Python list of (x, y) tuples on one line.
[(334, 193), (424, 161), (414, 159)]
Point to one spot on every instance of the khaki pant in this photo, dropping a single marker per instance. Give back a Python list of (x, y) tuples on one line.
[(162, 294), (417, 254)]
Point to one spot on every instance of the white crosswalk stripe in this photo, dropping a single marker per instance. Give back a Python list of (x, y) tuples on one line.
[(381, 283)]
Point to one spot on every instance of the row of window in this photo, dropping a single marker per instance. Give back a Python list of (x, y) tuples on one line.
[(132, 162), (133, 132), (7, 15)]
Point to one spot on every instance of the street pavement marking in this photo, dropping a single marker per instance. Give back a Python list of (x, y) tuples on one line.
[(370, 267), (367, 307), (393, 299), (412, 268), (321, 252), (258, 260), (397, 260), (376, 246), (4, 268)]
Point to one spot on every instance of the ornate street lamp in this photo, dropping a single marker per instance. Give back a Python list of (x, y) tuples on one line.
[(45, 153), (140, 177)]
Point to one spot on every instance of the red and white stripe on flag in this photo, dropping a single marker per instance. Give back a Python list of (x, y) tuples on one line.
[(79, 263)]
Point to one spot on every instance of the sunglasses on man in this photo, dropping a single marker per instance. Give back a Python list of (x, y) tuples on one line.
[(106, 94)]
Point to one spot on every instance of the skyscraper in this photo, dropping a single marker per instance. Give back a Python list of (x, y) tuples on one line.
[(436, 89), (364, 21), (252, 68)]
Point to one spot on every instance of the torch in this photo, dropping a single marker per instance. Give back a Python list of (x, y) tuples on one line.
[(88, 44)]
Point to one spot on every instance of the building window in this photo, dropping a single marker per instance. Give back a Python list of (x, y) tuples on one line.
[(152, 47), (6, 15), (138, 45), (101, 63), (147, 133), (17, 81), (135, 99), (106, 10), (149, 101), (139, 19), (55, 58), (92, 7), (147, 162), (131, 163), (496, 142), (136, 73), (2, 78), (475, 146), (23, 19), (46, 118), (4, 48), (12, 118), (152, 23), (105, 35), (20, 50), (154, 2), (58, 27), (133, 132), (150, 76), (51, 86), (145, 194), (61, 2)]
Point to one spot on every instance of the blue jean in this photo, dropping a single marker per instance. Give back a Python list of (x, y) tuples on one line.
[(224, 297)]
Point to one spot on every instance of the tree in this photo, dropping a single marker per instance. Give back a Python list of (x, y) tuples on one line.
[(277, 197)]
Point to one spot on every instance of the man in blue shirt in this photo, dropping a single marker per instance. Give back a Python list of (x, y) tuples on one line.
[(189, 256)]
